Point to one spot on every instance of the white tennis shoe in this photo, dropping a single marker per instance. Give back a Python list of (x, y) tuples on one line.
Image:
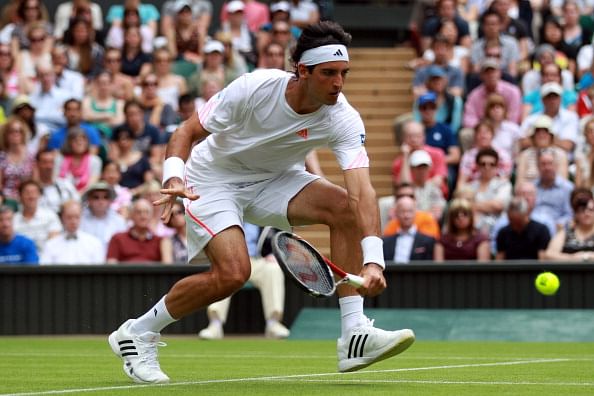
[(366, 344), (139, 353), (214, 331)]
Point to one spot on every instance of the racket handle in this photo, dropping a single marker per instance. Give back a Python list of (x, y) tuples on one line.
[(354, 280)]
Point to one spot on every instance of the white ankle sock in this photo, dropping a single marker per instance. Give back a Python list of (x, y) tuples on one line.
[(351, 313), (155, 319)]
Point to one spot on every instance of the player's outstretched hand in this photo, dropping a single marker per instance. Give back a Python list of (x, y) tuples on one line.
[(173, 189), (375, 282)]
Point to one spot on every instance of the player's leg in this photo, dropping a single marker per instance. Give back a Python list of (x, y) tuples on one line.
[(136, 340), (360, 344)]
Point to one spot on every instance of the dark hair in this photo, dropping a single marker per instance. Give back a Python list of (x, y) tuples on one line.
[(185, 98), (487, 14), (580, 197), (486, 152), (29, 182), (72, 100), (122, 130), (317, 35), (40, 153), (130, 103)]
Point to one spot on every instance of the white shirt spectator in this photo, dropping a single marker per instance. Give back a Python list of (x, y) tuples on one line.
[(404, 245), (584, 57), (102, 228), (38, 227), (54, 195), (72, 82), (565, 125), (50, 107), (80, 248)]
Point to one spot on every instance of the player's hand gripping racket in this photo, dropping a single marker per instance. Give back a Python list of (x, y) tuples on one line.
[(309, 269)]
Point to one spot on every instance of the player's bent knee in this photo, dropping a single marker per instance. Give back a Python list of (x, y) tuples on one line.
[(232, 277)]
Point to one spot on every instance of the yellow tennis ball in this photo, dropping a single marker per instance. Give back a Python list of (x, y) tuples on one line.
[(547, 283)]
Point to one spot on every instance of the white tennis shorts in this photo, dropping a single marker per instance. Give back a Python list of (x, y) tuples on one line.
[(221, 206)]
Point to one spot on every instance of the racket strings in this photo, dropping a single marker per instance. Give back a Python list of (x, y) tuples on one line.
[(306, 266)]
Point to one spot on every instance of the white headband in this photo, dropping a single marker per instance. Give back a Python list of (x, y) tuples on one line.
[(325, 53)]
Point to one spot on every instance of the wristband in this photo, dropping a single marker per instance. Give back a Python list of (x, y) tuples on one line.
[(173, 167), (373, 251)]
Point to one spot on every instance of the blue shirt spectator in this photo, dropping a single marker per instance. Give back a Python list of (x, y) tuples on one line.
[(14, 249), (441, 136), (148, 13), (58, 137)]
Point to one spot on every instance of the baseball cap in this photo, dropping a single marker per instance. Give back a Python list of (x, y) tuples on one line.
[(436, 71), (280, 6), (235, 6), (427, 97), (543, 121), (21, 101), (490, 63), (99, 186), (551, 88), (420, 157), (214, 46), (180, 5)]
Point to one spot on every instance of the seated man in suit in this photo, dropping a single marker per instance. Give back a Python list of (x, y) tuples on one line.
[(408, 244)]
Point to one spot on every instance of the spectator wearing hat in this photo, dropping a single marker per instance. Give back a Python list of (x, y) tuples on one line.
[(533, 100), (139, 244), (565, 123), (33, 220), (408, 244), (98, 218), (474, 109), (256, 14), (414, 139), (542, 136), (243, 40), (15, 249), (449, 107), (212, 67), (439, 58), (279, 11), (24, 110), (543, 55), (72, 246), (429, 197), (439, 135), (493, 32), (201, 15)]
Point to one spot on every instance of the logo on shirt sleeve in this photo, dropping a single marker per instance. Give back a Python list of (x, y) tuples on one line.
[(362, 138)]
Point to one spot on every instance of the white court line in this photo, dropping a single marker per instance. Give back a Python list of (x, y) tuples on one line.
[(252, 356), (283, 377), (446, 382)]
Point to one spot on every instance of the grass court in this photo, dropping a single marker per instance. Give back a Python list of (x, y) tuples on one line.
[(85, 365)]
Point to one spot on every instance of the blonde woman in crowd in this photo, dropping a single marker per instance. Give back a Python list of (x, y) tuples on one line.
[(584, 157), (16, 163), (542, 137), (37, 54)]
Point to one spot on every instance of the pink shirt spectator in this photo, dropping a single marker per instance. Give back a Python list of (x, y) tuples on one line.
[(474, 109), (256, 14)]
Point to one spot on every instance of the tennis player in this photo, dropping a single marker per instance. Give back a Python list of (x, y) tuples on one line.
[(249, 166)]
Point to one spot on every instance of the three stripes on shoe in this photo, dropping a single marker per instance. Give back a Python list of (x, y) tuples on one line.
[(127, 348), (353, 350)]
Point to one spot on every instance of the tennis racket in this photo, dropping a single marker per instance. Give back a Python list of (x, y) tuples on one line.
[(311, 271)]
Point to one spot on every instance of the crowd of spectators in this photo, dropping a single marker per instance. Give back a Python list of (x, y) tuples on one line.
[(89, 97), (498, 148)]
